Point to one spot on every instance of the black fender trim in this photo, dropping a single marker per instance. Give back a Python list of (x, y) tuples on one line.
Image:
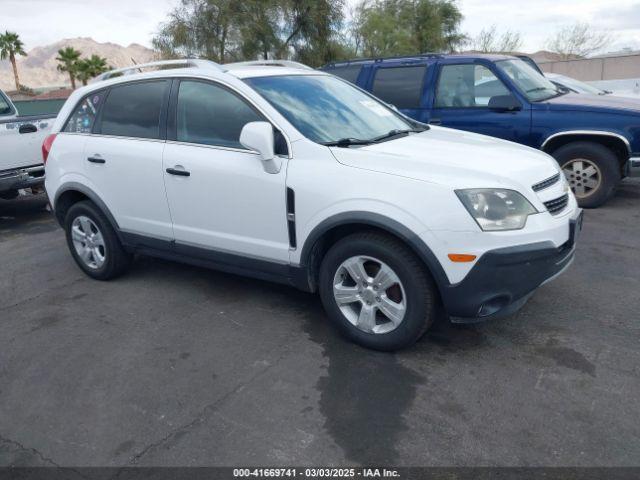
[(379, 221), (78, 187)]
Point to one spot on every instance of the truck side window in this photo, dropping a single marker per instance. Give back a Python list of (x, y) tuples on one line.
[(211, 115), (84, 116), (349, 73), (467, 86), (400, 86), (5, 109)]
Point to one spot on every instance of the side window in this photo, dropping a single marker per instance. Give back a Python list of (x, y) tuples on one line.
[(211, 115), (467, 86), (5, 108), (133, 110), (349, 73), (400, 86), (84, 116)]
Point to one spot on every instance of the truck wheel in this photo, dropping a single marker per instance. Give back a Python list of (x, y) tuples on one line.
[(93, 242), (592, 170), (9, 195), (377, 292)]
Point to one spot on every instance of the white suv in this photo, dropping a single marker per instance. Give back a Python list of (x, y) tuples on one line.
[(292, 175)]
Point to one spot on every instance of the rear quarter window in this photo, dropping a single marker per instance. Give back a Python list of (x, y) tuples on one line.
[(400, 86), (84, 116)]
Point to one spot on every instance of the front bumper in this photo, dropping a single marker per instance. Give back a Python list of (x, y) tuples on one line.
[(18, 178), (502, 280), (633, 167)]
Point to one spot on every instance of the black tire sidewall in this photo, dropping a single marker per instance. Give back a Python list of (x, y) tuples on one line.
[(606, 161), (419, 295), (112, 245)]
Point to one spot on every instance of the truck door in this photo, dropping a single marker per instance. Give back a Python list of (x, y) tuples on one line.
[(470, 96)]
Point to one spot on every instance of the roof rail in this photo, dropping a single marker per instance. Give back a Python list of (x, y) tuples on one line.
[(186, 62), (268, 63), (380, 59)]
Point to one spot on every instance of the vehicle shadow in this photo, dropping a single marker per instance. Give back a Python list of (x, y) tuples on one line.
[(26, 214)]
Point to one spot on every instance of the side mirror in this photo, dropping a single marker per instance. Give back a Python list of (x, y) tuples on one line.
[(504, 103), (258, 136)]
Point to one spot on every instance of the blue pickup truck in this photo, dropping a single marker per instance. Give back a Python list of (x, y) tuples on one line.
[(595, 139)]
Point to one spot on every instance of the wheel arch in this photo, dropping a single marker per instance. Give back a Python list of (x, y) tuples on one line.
[(71, 193), (615, 142), (330, 230)]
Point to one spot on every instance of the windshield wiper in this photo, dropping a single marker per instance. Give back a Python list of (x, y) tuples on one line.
[(347, 142), (396, 133)]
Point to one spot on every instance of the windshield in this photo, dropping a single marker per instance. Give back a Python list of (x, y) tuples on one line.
[(577, 85), (536, 87), (326, 109)]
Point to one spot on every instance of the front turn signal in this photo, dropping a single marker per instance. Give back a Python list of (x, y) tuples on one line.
[(461, 257)]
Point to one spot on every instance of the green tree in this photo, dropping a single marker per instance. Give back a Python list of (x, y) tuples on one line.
[(228, 30), (313, 30), (405, 27), (10, 46), (88, 68), (200, 28), (67, 59)]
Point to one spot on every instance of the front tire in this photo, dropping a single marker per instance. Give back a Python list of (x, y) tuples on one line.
[(93, 242), (377, 292), (592, 170), (9, 194)]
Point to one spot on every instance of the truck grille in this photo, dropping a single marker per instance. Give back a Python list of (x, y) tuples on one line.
[(556, 205), (546, 183)]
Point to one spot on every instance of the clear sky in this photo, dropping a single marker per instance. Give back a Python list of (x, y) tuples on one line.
[(41, 22)]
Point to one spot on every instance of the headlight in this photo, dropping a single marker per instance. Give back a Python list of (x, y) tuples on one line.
[(496, 209)]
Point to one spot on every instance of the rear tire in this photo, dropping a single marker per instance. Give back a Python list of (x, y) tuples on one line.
[(592, 170), (93, 242), (377, 292)]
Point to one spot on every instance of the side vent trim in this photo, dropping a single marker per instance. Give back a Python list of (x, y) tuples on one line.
[(291, 217)]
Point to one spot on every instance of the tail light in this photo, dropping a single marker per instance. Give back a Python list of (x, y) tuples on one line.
[(46, 147)]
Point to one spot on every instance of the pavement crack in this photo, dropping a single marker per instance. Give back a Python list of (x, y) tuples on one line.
[(212, 407), (29, 450)]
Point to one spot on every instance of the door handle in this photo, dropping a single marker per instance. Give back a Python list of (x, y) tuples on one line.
[(27, 128), (176, 171), (435, 121), (96, 160)]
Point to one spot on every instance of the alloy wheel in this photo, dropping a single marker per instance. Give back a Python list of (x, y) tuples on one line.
[(583, 175), (88, 242), (369, 294)]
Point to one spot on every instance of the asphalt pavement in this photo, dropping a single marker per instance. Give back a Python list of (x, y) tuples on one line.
[(181, 366)]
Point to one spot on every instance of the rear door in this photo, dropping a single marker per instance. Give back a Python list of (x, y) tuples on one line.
[(463, 89), (403, 87), (123, 157)]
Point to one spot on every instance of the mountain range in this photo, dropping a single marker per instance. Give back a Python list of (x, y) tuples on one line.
[(39, 67)]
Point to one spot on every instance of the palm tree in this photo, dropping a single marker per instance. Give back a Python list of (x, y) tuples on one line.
[(10, 46), (67, 58), (87, 68)]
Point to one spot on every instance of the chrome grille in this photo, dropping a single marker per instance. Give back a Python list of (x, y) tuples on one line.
[(546, 183), (556, 205)]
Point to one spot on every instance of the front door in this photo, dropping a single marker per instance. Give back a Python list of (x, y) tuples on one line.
[(461, 100), (221, 199)]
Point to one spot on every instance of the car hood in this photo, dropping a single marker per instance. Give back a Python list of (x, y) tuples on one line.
[(454, 158), (588, 102)]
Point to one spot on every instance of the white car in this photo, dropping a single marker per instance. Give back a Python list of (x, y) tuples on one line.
[(20, 146), (294, 175)]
